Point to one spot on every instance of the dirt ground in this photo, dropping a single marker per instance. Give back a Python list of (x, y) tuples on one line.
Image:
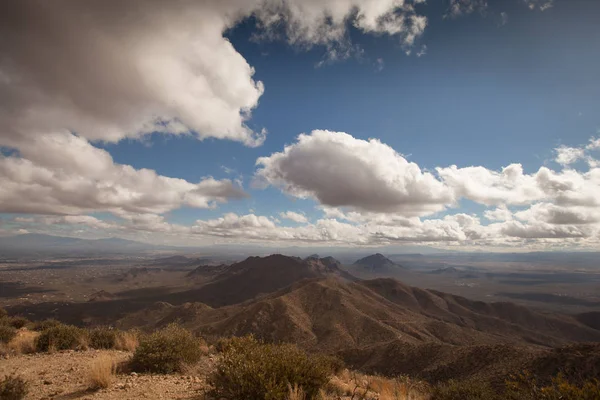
[(63, 376)]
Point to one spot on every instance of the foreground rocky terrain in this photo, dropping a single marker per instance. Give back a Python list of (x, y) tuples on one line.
[(64, 375)]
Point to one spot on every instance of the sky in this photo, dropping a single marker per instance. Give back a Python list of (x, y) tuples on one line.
[(457, 124)]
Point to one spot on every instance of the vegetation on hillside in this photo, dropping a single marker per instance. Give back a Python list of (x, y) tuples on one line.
[(167, 350), (250, 369), (12, 388)]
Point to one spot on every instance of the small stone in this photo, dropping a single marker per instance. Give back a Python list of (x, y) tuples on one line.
[(47, 382)]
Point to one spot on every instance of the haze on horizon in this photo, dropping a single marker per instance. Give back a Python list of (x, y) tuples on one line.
[(454, 124)]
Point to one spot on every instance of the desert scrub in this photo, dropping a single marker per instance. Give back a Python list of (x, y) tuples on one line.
[(23, 342), (13, 388), (166, 350), (102, 338), (40, 326), (15, 322), (61, 337), (464, 390), (127, 340), (524, 386), (252, 370), (101, 373), (7, 333)]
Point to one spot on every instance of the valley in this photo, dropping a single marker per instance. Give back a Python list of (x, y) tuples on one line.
[(361, 312)]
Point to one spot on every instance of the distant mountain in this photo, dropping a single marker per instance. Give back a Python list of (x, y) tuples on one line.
[(333, 315), (261, 275), (377, 263), (207, 271), (35, 244)]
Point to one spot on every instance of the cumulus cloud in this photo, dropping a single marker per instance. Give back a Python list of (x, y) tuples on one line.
[(510, 185), (64, 174), (86, 220), (568, 155), (109, 70), (113, 69), (501, 213), (368, 185), (74, 72), (340, 170), (294, 216), (542, 230), (557, 215)]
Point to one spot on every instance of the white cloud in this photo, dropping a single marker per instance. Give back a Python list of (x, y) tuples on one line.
[(458, 8), (557, 215), (499, 214), (64, 174), (569, 155), (541, 5), (594, 144), (86, 220), (479, 184), (125, 69), (294, 216), (540, 230), (339, 170), (74, 72)]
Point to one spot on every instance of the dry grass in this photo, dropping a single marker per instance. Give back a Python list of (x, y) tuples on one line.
[(127, 341), (101, 373), (24, 342), (296, 393), (368, 387)]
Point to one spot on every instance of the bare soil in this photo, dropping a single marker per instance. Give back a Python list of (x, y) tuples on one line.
[(63, 376)]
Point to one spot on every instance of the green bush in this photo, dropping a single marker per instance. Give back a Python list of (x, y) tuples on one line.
[(166, 350), (45, 324), (7, 333), (60, 337), (464, 390), (252, 370), (102, 338), (13, 388)]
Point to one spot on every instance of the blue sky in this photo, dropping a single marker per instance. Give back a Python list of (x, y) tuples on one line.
[(484, 84)]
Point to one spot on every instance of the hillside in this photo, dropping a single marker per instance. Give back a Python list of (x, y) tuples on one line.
[(377, 263), (332, 315)]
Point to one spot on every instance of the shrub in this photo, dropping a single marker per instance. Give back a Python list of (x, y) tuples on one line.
[(13, 388), (526, 387), (3, 313), (24, 342), (17, 322), (102, 338), (166, 350), (7, 333), (60, 337), (45, 324), (464, 390), (102, 372), (249, 369), (127, 341)]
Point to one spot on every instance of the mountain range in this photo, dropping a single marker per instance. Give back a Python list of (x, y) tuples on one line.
[(33, 243), (381, 325)]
